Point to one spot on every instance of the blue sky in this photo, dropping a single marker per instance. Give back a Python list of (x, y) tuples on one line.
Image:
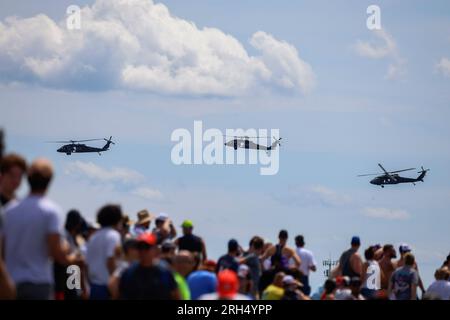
[(351, 118)]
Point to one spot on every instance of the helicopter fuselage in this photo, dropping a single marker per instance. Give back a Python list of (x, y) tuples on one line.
[(79, 148), (382, 180), (246, 144)]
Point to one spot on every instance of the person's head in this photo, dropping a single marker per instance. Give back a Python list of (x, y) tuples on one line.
[(300, 241), (329, 286), (290, 283), (227, 284), (130, 249), (233, 247), (110, 215), (442, 274), (126, 223), (187, 227), (90, 229), (183, 263), (40, 175), (168, 250), (447, 261), (283, 236), (369, 254), (404, 249), (257, 244), (245, 279), (409, 259), (356, 242), (161, 219), (144, 219), (74, 222), (278, 279), (209, 265), (12, 168), (147, 249), (389, 251)]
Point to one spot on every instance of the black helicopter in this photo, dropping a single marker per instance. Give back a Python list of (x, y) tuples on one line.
[(393, 178), (75, 147), (245, 143)]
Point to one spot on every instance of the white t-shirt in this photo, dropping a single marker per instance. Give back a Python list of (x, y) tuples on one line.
[(440, 288), (100, 247), (307, 259), (373, 276), (27, 223), (215, 296)]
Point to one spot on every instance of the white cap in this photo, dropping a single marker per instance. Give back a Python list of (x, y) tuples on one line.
[(162, 216), (243, 270), (404, 247)]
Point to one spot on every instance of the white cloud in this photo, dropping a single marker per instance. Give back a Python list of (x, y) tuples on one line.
[(313, 196), (97, 173), (386, 47), (329, 196), (115, 179), (148, 193), (140, 45), (444, 66), (385, 213)]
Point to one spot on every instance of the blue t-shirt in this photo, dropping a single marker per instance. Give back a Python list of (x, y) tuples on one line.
[(402, 279), (147, 283), (227, 262), (201, 282)]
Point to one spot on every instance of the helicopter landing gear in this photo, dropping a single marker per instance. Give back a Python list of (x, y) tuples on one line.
[(68, 153), (382, 186)]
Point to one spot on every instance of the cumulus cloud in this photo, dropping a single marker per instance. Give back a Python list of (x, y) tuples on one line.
[(140, 45), (314, 196), (386, 214), (116, 178), (148, 193), (444, 67), (385, 47), (95, 172)]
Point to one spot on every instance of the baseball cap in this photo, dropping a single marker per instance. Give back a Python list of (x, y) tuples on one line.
[(167, 245), (227, 284), (209, 265), (243, 271), (162, 216), (404, 248), (147, 238), (233, 245), (288, 279), (187, 224), (356, 240)]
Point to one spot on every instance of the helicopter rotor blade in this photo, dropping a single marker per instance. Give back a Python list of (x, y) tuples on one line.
[(73, 141), (402, 170), (387, 173), (369, 174)]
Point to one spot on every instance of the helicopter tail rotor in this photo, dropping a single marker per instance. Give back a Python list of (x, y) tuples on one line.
[(109, 140)]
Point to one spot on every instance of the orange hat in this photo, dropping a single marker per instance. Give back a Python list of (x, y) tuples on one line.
[(227, 284), (148, 238)]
